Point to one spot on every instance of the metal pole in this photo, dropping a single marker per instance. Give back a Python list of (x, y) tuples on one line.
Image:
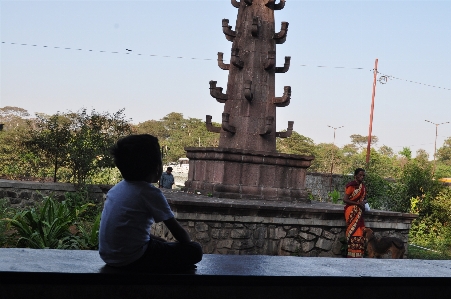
[(435, 143), (333, 158), (368, 148)]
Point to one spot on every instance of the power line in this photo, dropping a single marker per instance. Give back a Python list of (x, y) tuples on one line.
[(383, 79), (127, 51)]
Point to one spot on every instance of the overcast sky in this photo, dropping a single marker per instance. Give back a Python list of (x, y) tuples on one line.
[(411, 39)]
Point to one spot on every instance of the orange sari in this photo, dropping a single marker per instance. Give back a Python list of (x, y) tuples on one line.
[(354, 220)]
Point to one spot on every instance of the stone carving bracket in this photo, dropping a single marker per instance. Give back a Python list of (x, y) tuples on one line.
[(216, 92), (221, 63), (229, 33), (270, 60), (235, 59), (247, 90), (284, 100), (236, 3), (272, 4), (210, 126), (288, 132), (267, 129), (285, 67), (225, 123), (281, 36)]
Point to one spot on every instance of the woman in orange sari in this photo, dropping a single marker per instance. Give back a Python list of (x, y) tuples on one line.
[(354, 199)]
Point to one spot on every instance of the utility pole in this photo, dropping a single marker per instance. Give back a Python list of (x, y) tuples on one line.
[(435, 143), (333, 158), (368, 148)]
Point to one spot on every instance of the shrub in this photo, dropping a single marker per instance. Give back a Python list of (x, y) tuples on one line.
[(47, 226)]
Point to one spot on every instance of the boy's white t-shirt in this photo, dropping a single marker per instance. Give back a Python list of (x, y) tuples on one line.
[(130, 209)]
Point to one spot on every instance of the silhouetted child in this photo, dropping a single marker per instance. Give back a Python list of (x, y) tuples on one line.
[(133, 205)]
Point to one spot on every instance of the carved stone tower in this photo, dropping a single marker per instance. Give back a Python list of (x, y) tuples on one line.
[(246, 163)]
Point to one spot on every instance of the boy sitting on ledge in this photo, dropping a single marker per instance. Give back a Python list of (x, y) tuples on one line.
[(133, 205)]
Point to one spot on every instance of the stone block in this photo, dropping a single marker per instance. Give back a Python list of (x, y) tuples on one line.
[(260, 233), (335, 230), (220, 233), (191, 223), (324, 244), (292, 232), (251, 226), (240, 234), (11, 194), (202, 237), (277, 233), (306, 236), (290, 245), (201, 227), (316, 231), (224, 244), (242, 244), (14, 200), (25, 195), (214, 224), (307, 246), (328, 235)]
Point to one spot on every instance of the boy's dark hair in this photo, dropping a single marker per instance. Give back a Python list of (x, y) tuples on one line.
[(356, 172), (137, 156)]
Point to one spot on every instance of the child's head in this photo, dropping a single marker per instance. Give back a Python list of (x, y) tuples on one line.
[(138, 157)]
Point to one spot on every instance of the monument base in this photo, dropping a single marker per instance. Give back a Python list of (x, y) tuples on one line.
[(234, 173)]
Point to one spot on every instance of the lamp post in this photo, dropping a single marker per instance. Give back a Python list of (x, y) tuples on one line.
[(333, 158), (435, 143)]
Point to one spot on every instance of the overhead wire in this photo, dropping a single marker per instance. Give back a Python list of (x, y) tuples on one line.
[(382, 79)]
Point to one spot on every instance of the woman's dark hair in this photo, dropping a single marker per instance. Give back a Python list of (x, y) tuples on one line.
[(137, 156), (356, 172)]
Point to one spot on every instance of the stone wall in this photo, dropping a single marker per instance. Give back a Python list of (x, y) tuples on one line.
[(320, 184), (226, 226), (24, 193)]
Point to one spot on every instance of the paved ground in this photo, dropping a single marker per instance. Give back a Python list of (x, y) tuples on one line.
[(76, 261)]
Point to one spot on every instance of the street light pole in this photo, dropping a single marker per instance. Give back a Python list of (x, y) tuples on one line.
[(333, 158), (436, 134)]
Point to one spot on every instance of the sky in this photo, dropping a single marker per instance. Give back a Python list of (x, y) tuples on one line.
[(67, 55)]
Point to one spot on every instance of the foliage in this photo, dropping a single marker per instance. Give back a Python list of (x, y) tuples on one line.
[(362, 141), (78, 141), (444, 153), (88, 234), (175, 132), (296, 144), (406, 152), (335, 196), (47, 226), (6, 212), (49, 139)]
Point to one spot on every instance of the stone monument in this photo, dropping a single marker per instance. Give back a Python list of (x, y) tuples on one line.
[(246, 164)]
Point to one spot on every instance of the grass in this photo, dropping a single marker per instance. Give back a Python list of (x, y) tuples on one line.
[(423, 254)]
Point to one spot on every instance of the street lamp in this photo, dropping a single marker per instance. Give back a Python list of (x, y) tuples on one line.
[(435, 144), (333, 158)]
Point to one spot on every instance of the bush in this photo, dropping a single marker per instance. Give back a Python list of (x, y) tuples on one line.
[(47, 226)]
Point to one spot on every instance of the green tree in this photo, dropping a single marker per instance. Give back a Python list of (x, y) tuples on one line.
[(175, 132), (92, 135), (49, 138), (362, 141), (406, 152), (444, 153), (296, 144)]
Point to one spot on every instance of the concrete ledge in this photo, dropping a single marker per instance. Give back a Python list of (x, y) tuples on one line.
[(28, 273)]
